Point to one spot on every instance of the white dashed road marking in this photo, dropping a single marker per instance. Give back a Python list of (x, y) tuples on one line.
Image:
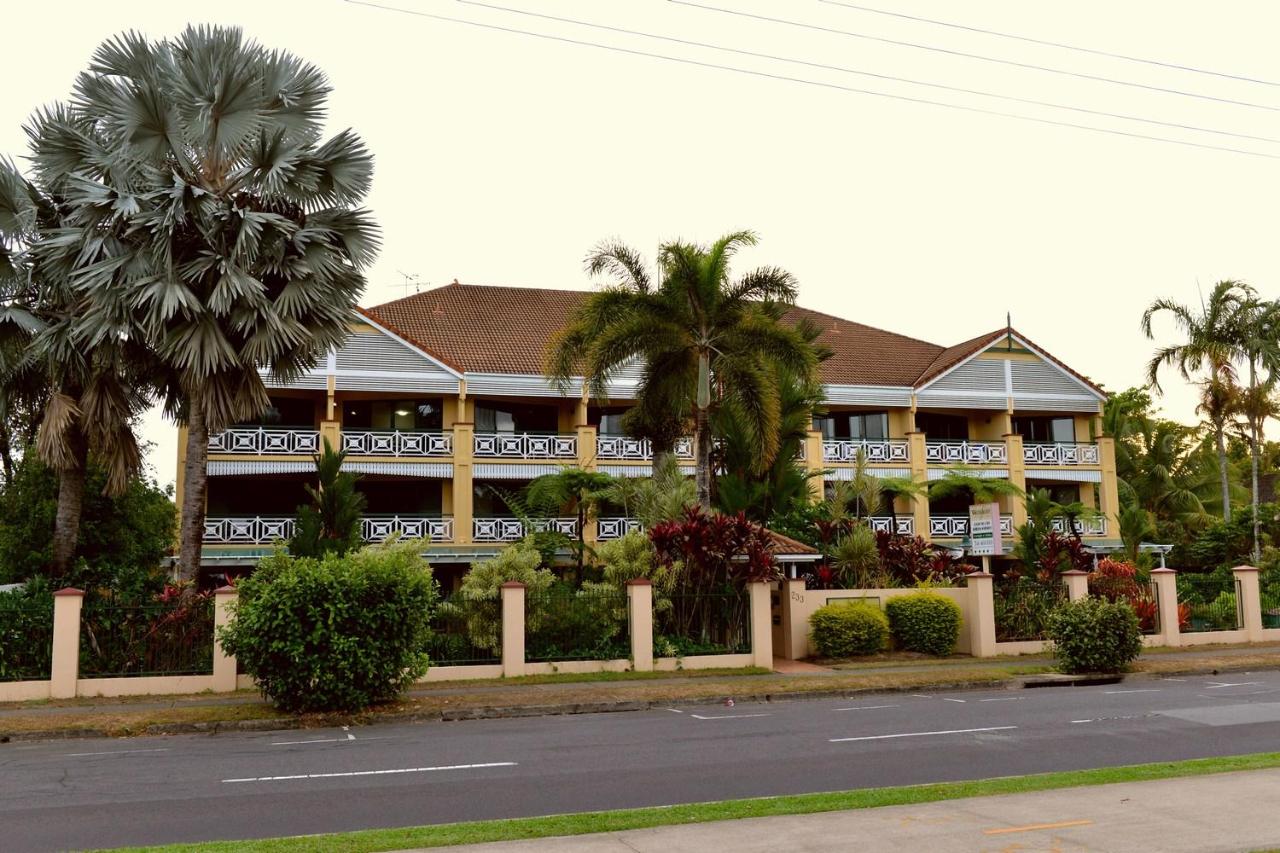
[(115, 752), (923, 734), (865, 708), (1143, 690), (371, 772), (727, 716)]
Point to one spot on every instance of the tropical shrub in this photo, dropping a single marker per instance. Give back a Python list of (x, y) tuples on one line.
[(26, 632), (848, 629), (714, 551), (1022, 606), (479, 600), (857, 559), (331, 522), (334, 633), (924, 622), (910, 559), (1094, 635)]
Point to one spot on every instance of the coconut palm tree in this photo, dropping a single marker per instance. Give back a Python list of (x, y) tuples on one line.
[(210, 221), (705, 340), (1220, 404), (1257, 329)]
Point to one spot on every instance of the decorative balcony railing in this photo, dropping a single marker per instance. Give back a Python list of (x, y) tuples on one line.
[(513, 529), (884, 524), (616, 528), (1084, 526), (397, 443), (966, 452), (874, 450), (266, 441), (1060, 453), (377, 528), (952, 526), (260, 530), (625, 448), (525, 445)]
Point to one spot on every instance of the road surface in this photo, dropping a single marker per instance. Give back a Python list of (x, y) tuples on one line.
[(102, 793)]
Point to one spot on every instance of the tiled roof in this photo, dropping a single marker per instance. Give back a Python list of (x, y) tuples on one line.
[(780, 545), (484, 329)]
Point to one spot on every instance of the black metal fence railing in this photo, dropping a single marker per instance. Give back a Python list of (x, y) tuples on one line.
[(26, 640), (172, 638), (702, 624), (457, 636), (1212, 603), (1022, 608), (564, 625)]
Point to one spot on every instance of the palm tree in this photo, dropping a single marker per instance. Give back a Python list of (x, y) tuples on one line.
[(651, 500), (963, 480), (331, 523), (1257, 327), (900, 487), (89, 391), (706, 341), (224, 232), (580, 490), (1220, 402), (1210, 343)]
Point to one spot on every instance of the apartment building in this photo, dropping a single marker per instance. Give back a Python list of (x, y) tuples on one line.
[(440, 401)]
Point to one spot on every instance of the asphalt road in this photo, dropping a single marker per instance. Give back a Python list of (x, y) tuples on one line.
[(102, 793)]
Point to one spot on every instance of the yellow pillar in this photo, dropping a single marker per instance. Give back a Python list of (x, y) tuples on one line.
[(462, 488), (512, 629), (65, 670), (761, 625), (640, 604), (920, 474), (1249, 601), (982, 612), (1108, 489), (224, 665), (331, 433), (1017, 476), (813, 462)]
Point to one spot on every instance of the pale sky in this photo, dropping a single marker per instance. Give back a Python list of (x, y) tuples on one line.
[(503, 158)]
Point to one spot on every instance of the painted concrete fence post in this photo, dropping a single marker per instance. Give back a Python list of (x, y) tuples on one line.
[(224, 665), (1077, 584), (512, 629), (640, 609), (795, 632), (982, 608), (761, 624), (1166, 583), (65, 671), (1250, 602)]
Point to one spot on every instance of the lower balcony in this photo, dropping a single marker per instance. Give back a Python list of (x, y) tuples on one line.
[(906, 524), (265, 530), (957, 526), (1083, 526), (506, 529)]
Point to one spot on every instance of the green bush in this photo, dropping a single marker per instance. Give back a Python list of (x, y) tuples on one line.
[(334, 633), (479, 600), (924, 622), (1093, 635), (847, 629)]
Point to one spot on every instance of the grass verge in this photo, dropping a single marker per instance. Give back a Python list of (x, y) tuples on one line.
[(448, 835)]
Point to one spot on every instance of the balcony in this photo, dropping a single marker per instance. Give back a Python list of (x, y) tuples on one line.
[(505, 529), (616, 528), (875, 451), (1060, 453), (266, 441), (884, 524), (261, 530), (622, 448), (957, 526), (397, 443), (524, 445), (966, 453), (1083, 526)]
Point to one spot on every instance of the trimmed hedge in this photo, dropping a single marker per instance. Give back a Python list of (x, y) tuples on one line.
[(924, 622), (1094, 635), (848, 629)]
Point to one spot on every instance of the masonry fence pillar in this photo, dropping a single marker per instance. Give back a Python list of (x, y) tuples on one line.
[(1077, 583), (640, 609), (65, 670), (794, 628), (761, 624), (224, 665), (982, 613), (1165, 582), (1249, 601), (512, 629)]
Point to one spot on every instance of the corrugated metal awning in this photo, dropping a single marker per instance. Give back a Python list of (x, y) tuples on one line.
[(402, 469), (645, 470), (498, 471), (984, 473), (1084, 475), (847, 473)]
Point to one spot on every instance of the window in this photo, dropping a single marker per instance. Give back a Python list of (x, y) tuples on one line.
[(404, 415), (938, 427), (607, 421), (856, 425), (513, 417), (287, 412), (1045, 429)]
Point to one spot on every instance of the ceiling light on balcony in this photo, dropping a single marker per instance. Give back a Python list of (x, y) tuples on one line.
[(402, 413)]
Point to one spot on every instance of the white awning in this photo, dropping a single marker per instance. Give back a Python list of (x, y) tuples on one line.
[(847, 473), (1084, 475), (984, 473), (402, 469)]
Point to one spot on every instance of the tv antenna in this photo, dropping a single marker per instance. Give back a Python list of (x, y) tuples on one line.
[(410, 280)]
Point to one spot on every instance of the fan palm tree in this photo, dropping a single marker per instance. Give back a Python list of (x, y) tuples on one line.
[(89, 392), (963, 480), (580, 490), (209, 221), (705, 340), (900, 487)]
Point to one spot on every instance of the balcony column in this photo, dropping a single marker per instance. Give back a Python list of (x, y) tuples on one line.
[(462, 487), (330, 432), (920, 474), (1017, 476), (1108, 489), (813, 461)]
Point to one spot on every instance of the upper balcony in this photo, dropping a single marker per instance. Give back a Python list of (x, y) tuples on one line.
[(1052, 453), (301, 441), (962, 452), (266, 441), (876, 451)]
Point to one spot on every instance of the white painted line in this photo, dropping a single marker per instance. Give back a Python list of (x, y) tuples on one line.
[(1217, 685), (299, 742), (1003, 699), (1173, 679), (728, 716), (945, 699), (675, 711), (1082, 721), (865, 708), (371, 772), (921, 696), (923, 734), (114, 752), (1143, 690)]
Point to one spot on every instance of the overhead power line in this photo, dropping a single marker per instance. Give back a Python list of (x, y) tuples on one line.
[(804, 81), (878, 76), (977, 56), (1048, 43)]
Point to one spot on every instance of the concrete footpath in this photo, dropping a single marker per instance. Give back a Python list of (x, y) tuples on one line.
[(1225, 812)]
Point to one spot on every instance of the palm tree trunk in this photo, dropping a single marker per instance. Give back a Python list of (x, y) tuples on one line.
[(66, 524), (6, 452), (1253, 456), (193, 492), (702, 471), (1219, 436)]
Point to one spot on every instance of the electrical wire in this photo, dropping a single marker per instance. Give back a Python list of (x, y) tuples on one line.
[(847, 70), (1048, 43), (977, 56), (804, 81)]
